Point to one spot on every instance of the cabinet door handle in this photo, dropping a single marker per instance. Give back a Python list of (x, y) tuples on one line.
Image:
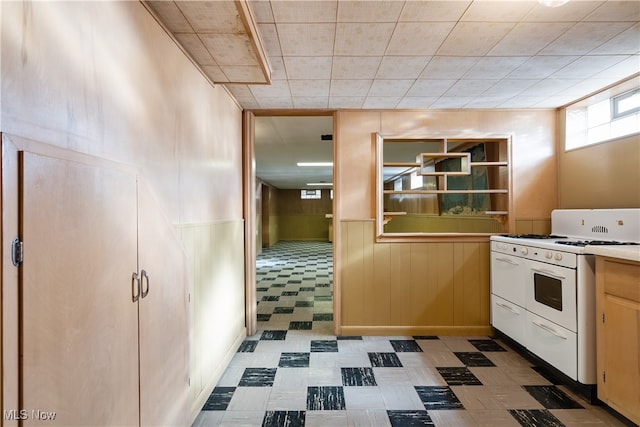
[(550, 330), (507, 260), (144, 278), (507, 307), (548, 273), (135, 287)]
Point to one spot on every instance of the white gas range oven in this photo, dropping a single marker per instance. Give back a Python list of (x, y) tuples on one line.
[(543, 287)]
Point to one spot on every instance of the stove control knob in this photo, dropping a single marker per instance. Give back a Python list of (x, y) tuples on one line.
[(558, 257), (548, 255), (524, 251)]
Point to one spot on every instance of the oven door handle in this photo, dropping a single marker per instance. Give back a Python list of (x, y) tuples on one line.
[(548, 273), (507, 307), (507, 260), (550, 330)]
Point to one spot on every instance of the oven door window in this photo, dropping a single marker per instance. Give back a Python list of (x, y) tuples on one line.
[(548, 291)]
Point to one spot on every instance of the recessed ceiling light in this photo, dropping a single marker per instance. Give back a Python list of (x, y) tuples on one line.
[(325, 164), (319, 183), (552, 3)]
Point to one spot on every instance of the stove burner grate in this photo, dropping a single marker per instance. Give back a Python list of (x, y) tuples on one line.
[(533, 236), (593, 243)]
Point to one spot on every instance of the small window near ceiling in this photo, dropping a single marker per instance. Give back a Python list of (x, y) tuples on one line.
[(606, 116), (310, 194)]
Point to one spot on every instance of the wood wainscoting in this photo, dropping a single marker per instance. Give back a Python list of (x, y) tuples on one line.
[(421, 288)]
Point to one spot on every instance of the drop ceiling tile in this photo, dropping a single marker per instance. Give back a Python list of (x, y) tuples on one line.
[(309, 88), (401, 67), (305, 11), (448, 67), (430, 88), (362, 39), (616, 11), (539, 67), (196, 49), (270, 39), (417, 102), (220, 16), (215, 73), (554, 101), (284, 102), (586, 87), (345, 102), (497, 11), (418, 38), (381, 102), (311, 102), (621, 70), (277, 68), (277, 89), (529, 38), (494, 67), (244, 73), (583, 36), (486, 102), (522, 102), (587, 66), (230, 49), (448, 102), (261, 11), (573, 11), (369, 11), (469, 87), (431, 11), (509, 87), (355, 67), (308, 67), (306, 39), (171, 16), (627, 42), (393, 88), (549, 86), (474, 38), (350, 88)]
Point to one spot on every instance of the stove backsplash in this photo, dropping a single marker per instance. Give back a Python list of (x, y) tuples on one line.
[(598, 224)]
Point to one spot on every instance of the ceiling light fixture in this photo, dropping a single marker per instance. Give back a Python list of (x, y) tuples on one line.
[(553, 3), (325, 164), (313, 184)]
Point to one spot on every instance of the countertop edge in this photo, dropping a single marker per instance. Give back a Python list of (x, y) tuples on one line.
[(629, 253)]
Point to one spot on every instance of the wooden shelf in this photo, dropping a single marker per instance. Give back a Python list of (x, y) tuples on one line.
[(498, 191)]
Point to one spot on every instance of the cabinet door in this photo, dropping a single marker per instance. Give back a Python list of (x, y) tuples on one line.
[(79, 339), (164, 337)]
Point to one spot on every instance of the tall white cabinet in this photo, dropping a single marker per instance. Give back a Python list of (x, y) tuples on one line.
[(101, 293)]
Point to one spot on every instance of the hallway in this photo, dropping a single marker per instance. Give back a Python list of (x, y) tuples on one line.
[(295, 372)]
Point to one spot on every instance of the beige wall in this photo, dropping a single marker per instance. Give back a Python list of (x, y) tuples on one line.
[(605, 175), (103, 78), (444, 283), (300, 219)]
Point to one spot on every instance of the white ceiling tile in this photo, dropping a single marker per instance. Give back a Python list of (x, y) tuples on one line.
[(369, 11), (171, 15), (431, 11), (284, 102), (584, 36), (381, 102), (549, 86), (309, 88), (448, 102), (418, 38), (390, 87), (430, 88), (510, 87), (362, 39), (494, 67), (219, 16), (261, 11), (498, 11), (522, 102), (616, 11), (401, 67), (587, 66), (308, 67), (306, 39), (270, 39), (539, 67), (486, 102), (529, 38), (586, 87), (194, 46), (572, 11), (346, 102), (417, 102), (215, 73), (350, 88), (311, 101), (355, 67), (277, 68), (474, 38), (621, 70), (305, 11), (448, 67), (627, 42), (230, 49), (244, 73), (469, 87), (277, 89), (554, 101)]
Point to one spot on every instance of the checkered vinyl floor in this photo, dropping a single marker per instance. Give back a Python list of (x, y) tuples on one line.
[(295, 372)]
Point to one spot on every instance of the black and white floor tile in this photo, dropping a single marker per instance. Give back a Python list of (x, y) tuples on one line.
[(295, 372)]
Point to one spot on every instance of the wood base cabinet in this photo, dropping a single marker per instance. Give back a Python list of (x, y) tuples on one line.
[(618, 335), (101, 298)]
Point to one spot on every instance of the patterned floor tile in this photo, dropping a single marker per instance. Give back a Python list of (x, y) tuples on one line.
[(257, 377), (358, 377), (324, 346), (436, 397), (219, 399), (387, 360), (487, 345), (300, 325), (247, 346), (405, 346), (294, 360), (274, 335), (535, 418), (409, 418), (473, 359), (283, 310), (325, 398), (284, 418), (551, 397), (458, 376)]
